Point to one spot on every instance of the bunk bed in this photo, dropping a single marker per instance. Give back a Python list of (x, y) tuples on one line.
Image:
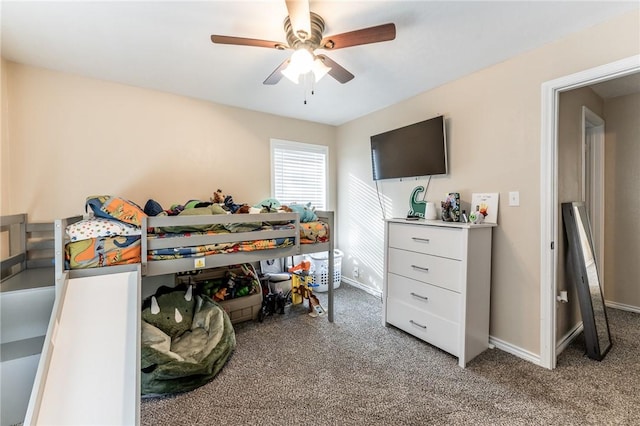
[(283, 228)]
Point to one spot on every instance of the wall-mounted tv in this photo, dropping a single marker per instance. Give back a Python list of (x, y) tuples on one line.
[(419, 149)]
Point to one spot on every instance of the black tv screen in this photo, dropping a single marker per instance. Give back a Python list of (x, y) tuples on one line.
[(419, 149)]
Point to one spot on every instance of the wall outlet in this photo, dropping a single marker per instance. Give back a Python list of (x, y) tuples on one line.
[(562, 297), (356, 272)]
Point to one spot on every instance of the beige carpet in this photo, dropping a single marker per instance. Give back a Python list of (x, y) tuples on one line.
[(293, 369)]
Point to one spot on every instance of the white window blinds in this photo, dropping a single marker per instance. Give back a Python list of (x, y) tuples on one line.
[(299, 173)]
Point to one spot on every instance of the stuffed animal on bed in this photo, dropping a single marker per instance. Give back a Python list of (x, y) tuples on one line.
[(218, 197), (231, 206), (271, 204), (306, 212)]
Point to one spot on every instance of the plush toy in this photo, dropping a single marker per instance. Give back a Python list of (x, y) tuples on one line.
[(271, 204), (243, 209), (306, 212), (218, 197), (230, 205)]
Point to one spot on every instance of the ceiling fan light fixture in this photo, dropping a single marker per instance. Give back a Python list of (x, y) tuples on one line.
[(301, 62), (291, 74), (319, 69)]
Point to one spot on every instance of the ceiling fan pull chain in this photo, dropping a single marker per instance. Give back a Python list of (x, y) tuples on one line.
[(305, 83)]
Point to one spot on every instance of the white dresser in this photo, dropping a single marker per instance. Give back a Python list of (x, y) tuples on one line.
[(437, 283)]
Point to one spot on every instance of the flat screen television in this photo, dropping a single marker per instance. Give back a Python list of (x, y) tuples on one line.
[(415, 150)]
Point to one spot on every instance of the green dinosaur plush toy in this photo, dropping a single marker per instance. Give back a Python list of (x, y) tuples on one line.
[(306, 212)]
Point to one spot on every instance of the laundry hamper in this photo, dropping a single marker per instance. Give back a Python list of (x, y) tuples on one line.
[(320, 268)]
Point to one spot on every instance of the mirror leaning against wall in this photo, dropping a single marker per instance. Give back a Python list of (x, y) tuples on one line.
[(583, 271)]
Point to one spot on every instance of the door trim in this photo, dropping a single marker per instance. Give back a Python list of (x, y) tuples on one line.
[(593, 141), (548, 190)]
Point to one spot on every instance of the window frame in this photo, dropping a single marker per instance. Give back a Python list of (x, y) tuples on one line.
[(301, 147)]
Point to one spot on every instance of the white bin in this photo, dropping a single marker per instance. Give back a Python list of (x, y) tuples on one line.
[(320, 268)]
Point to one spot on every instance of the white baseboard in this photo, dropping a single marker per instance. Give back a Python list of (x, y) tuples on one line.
[(514, 350), (622, 306), (373, 291)]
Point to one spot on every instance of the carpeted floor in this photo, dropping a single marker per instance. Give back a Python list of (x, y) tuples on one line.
[(293, 369)]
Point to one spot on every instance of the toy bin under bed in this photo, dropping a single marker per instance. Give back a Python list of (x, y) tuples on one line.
[(186, 340), (236, 288)]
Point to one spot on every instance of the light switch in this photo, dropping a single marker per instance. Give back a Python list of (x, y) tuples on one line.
[(514, 198)]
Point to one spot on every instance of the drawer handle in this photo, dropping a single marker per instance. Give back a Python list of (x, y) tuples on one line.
[(420, 268), (419, 297), (420, 240), (419, 325)]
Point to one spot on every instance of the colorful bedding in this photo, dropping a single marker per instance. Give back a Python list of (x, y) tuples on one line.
[(314, 232), (310, 232), (103, 251), (99, 241), (210, 249)]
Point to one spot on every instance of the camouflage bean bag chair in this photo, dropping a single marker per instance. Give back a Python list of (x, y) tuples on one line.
[(186, 340)]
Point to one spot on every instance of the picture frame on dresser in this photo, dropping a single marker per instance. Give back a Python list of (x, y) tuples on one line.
[(487, 203)]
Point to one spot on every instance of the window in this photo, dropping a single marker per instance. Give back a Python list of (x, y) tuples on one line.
[(299, 173)]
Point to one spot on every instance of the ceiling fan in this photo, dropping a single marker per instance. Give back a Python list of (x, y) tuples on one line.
[(304, 32)]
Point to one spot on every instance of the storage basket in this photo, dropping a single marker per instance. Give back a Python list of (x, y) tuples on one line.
[(244, 308), (320, 268)]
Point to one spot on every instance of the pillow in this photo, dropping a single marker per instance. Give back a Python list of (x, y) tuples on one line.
[(100, 227), (116, 208)]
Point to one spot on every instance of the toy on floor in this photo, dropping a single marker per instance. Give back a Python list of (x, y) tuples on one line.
[(272, 303), (301, 283)]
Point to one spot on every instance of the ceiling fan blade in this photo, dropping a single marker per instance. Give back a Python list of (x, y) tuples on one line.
[(336, 71), (277, 75), (369, 35), (300, 18), (220, 39)]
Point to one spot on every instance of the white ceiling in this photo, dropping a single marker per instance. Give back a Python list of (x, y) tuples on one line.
[(165, 45)]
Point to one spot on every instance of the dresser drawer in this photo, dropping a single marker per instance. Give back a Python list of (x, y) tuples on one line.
[(438, 241), (438, 271), (431, 299), (430, 328)]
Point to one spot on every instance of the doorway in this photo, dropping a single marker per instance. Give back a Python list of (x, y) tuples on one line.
[(549, 194)]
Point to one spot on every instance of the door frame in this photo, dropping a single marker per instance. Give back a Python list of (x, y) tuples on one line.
[(593, 178), (549, 193)]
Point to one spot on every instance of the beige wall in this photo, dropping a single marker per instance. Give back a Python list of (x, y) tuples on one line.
[(71, 137), (68, 136), (622, 197), (570, 189), (494, 146)]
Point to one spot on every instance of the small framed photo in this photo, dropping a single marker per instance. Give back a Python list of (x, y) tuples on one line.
[(487, 204)]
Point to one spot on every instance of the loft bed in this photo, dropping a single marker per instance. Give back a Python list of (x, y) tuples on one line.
[(59, 384), (242, 246)]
